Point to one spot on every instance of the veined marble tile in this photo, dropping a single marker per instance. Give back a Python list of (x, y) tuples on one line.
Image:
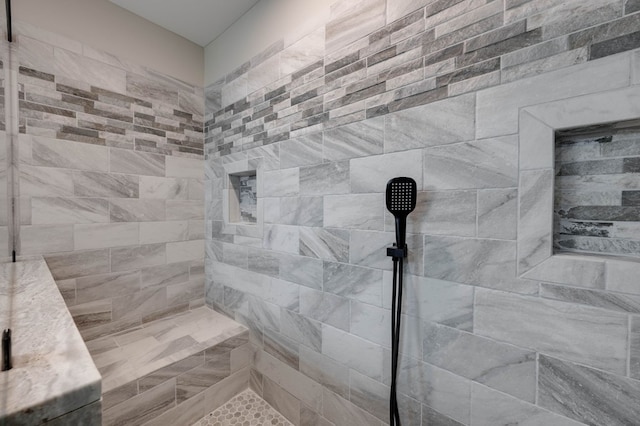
[(304, 52), (325, 307), (104, 286), (371, 322), (164, 275), (322, 179), (137, 257), (591, 336), (434, 300), (443, 391), (441, 213), (487, 163), (302, 151), (139, 304), (258, 77), (490, 408), (281, 400), (326, 244), (301, 270), (534, 233), (282, 238), (372, 173), (78, 263), (574, 270), (301, 329), (41, 239), (281, 183), (329, 373), (634, 348), (147, 88), (302, 211), (163, 188), (182, 167), (162, 232), (195, 189), (497, 213), (361, 211), (353, 352), (350, 21), (587, 395), (401, 8), (340, 411), (143, 407), (92, 314), (470, 261), (104, 235), (497, 365), (264, 261), (359, 139), (45, 182), (90, 71), (439, 123), (284, 294), (136, 210), (59, 210), (601, 299), (185, 251), (136, 163), (108, 185), (281, 348), (185, 210), (363, 284)]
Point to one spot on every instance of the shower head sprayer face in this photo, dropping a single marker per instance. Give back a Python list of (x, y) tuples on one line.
[(401, 200), (401, 196)]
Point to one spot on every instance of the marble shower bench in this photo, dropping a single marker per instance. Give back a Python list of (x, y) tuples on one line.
[(173, 370), (54, 380)]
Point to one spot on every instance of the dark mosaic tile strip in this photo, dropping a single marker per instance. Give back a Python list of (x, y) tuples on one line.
[(615, 45)]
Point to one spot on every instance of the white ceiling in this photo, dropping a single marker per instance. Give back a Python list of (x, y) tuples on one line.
[(200, 21)]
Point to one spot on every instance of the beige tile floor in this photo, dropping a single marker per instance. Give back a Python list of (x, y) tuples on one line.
[(245, 409), (131, 354)]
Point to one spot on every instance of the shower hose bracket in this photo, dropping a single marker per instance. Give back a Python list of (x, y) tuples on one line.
[(396, 252)]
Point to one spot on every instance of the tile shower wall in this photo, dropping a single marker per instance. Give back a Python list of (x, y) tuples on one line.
[(111, 181), (431, 90)]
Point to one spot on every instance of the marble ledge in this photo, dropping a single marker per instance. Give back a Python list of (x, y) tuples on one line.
[(53, 372)]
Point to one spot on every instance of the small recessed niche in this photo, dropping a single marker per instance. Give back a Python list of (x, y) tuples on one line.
[(597, 189), (243, 198)]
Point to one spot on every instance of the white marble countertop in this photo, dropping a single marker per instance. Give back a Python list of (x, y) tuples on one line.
[(53, 372)]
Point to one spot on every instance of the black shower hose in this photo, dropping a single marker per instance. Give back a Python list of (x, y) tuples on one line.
[(396, 312)]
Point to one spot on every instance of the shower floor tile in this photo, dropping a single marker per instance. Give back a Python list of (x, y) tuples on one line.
[(245, 409)]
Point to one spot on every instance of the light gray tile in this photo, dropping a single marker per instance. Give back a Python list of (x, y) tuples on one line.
[(353, 352), (45, 182), (189, 412), (136, 210), (442, 213), (301, 270), (105, 286), (78, 264), (164, 188), (340, 411), (41, 239), (587, 395), (471, 261), (323, 243), (137, 257), (370, 395), (281, 348), (634, 350), (497, 213), (301, 329), (439, 123), (302, 151), (361, 211), (350, 22), (355, 282), (264, 262), (486, 163), (583, 334), (534, 233), (443, 391), (359, 139), (323, 179), (162, 232), (183, 167), (325, 307), (371, 174), (185, 210), (182, 251), (329, 373), (69, 155), (136, 163), (185, 292), (107, 185), (58, 210), (302, 211), (600, 299), (104, 235), (281, 183), (371, 322), (497, 365), (306, 51), (490, 408), (139, 304), (285, 403)]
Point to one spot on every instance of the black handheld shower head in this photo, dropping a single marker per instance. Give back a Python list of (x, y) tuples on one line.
[(401, 200)]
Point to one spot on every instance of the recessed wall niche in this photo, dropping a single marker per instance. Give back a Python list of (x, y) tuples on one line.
[(597, 189), (243, 198)]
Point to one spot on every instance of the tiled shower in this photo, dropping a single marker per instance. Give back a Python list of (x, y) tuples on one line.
[(129, 188)]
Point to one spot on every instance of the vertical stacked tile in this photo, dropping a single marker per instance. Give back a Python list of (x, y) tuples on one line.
[(111, 175), (430, 90)]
